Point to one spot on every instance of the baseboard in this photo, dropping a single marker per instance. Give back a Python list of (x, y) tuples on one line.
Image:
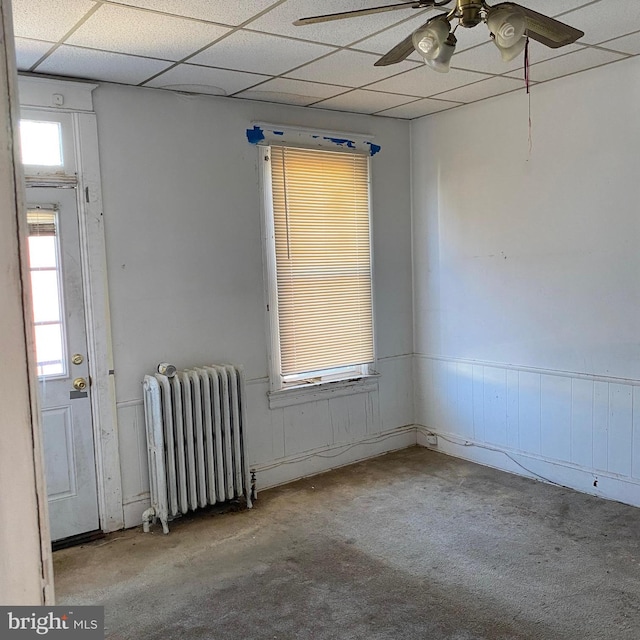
[(318, 461), (597, 483)]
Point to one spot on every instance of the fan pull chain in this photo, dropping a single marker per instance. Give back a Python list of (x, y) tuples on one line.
[(526, 65), (528, 87)]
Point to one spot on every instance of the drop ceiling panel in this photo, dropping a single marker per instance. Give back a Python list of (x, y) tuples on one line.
[(349, 68), (340, 32), (572, 63), (100, 65), (28, 52), (627, 44), (552, 7), (468, 38), (238, 51), (362, 101), (605, 20), (486, 57), (47, 20), (217, 81), (222, 11), (483, 89), (423, 82), (288, 91), (419, 108), (542, 53), (144, 33)]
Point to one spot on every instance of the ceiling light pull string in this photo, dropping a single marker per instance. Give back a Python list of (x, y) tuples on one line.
[(527, 76), (526, 64)]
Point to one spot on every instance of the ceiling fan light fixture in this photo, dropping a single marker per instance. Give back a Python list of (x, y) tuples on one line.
[(509, 53), (429, 40), (442, 61), (508, 27)]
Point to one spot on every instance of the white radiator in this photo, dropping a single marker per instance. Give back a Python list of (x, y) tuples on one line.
[(196, 440)]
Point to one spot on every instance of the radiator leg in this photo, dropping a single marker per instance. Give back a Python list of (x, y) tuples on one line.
[(147, 517), (254, 486), (165, 527)]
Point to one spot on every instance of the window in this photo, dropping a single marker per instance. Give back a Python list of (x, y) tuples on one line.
[(319, 252), (47, 144), (41, 143)]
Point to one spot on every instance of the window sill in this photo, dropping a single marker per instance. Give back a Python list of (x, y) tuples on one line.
[(322, 391)]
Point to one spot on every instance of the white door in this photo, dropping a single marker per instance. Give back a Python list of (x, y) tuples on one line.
[(61, 349)]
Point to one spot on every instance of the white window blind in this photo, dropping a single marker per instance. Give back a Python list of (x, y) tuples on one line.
[(323, 259)]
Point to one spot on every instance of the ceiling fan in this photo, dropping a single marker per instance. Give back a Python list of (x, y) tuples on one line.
[(509, 25)]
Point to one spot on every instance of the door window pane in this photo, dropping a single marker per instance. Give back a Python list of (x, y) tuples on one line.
[(46, 292), (42, 251), (49, 349), (46, 301)]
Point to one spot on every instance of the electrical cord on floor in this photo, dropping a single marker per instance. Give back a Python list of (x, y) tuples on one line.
[(343, 449), (467, 443)]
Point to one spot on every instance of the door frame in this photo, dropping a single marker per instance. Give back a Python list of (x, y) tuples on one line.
[(24, 536), (75, 98)]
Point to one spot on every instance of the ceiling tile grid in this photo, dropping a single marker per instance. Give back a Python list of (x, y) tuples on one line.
[(363, 101), (238, 51), (251, 50), (221, 11), (29, 51), (144, 33), (419, 108), (222, 82), (423, 82), (494, 86), (572, 63), (41, 20), (279, 21), (287, 91), (349, 68), (105, 65)]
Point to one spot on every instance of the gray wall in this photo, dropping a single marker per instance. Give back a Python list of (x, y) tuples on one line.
[(184, 250)]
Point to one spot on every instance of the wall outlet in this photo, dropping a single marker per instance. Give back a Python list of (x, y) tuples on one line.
[(432, 439)]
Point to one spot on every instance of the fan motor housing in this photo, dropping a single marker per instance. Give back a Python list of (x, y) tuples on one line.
[(469, 12)]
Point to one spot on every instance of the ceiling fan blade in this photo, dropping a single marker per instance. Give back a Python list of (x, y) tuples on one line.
[(548, 31), (401, 51), (359, 12)]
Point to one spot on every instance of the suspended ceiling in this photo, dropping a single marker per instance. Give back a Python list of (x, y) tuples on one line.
[(250, 50)]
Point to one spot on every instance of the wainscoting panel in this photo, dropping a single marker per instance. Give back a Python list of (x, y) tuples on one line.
[(571, 427)]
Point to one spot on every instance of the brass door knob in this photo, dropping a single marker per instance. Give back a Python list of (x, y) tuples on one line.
[(80, 384)]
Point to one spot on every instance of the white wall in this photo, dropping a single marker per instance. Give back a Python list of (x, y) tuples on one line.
[(184, 253), (527, 296)]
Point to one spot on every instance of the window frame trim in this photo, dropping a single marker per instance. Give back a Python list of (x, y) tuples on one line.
[(283, 393)]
